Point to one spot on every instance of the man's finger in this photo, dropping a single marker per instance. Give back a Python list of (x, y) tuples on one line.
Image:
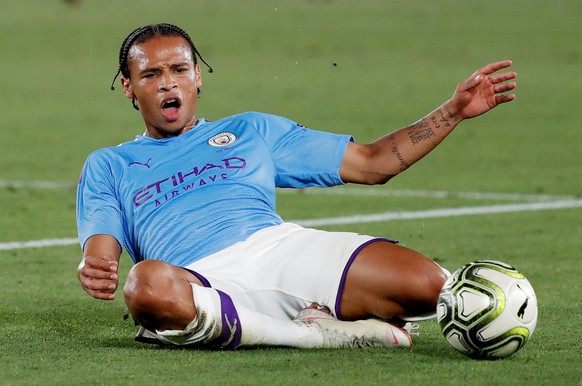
[(98, 284), (101, 295), (504, 98), (504, 87), (98, 273), (499, 78), (496, 66)]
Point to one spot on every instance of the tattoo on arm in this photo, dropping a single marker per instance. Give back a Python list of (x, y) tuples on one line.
[(420, 131), (423, 129), (446, 116), (403, 164)]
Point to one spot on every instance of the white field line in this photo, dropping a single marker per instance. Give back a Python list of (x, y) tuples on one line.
[(447, 212), (337, 191), (37, 184), (371, 192), (356, 219), (37, 243)]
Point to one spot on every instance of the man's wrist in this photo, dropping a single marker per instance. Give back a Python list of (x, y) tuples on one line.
[(450, 111)]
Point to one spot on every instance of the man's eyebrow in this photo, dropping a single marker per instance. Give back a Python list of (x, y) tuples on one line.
[(181, 64), (149, 69), (173, 65)]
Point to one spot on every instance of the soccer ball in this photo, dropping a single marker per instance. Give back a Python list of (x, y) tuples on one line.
[(487, 310)]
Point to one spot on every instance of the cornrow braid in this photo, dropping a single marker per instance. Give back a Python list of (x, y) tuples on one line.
[(145, 33)]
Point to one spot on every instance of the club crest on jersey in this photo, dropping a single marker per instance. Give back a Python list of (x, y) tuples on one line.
[(222, 139)]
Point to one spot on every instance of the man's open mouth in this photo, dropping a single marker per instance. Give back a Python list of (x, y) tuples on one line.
[(171, 108)]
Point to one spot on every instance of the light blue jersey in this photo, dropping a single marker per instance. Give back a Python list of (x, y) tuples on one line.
[(183, 198)]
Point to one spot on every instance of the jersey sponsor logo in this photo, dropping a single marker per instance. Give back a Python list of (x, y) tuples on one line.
[(184, 181), (222, 139)]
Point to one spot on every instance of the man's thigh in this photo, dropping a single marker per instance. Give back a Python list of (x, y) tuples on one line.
[(390, 281), (283, 269)]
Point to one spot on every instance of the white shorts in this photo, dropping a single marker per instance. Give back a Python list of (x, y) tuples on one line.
[(282, 269)]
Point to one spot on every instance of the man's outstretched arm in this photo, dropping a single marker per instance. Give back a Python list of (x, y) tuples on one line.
[(378, 162)]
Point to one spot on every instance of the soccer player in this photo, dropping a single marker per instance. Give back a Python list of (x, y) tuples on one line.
[(192, 202)]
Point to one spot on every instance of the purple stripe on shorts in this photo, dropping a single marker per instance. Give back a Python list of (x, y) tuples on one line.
[(346, 269), (204, 281)]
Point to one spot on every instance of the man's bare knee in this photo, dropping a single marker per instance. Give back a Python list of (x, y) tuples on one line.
[(140, 283), (429, 282), (158, 295)]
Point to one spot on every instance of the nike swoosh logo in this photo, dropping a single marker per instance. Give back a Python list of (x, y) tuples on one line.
[(395, 339)]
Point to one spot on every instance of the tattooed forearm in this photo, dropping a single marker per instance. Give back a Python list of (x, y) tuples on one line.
[(424, 129), (403, 164), (396, 152), (435, 122), (420, 131), (445, 117)]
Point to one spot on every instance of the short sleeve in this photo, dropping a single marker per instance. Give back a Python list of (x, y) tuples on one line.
[(302, 157), (98, 209)]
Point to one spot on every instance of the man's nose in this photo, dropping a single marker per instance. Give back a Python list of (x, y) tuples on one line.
[(167, 82)]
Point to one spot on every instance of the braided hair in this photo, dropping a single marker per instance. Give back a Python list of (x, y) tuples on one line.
[(144, 34)]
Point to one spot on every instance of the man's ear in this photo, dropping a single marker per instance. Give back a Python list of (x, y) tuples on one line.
[(198, 74), (127, 90)]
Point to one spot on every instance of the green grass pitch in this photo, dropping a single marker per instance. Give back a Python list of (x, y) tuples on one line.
[(360, 67)]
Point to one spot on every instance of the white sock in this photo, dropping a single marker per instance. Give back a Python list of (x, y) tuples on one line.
[(221, 323)]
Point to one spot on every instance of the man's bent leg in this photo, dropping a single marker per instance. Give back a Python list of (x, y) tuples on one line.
[(153, 289), (172, 303), (222, 324), (390, 282)]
